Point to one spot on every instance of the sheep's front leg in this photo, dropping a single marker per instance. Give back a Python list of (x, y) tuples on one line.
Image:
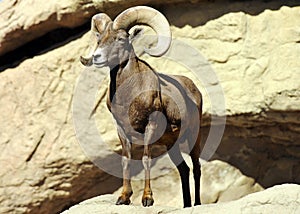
[(147, 198), (126, 157)]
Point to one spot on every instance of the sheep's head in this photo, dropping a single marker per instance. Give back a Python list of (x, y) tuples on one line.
[(111, 47), (113, 42)]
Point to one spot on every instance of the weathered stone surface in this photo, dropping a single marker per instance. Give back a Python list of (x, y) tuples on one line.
[(257, 65), (22, 21), (219, 182), (222, 182), (282, 199), (43, 168), (252, 46)]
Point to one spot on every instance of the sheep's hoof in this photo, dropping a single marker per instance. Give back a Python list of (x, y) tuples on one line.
[(147, 201), (121, 201)]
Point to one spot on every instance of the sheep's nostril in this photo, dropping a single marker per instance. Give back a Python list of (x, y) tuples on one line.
[(97, 57)]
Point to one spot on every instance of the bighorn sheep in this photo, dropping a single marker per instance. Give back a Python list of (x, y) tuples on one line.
[(138, 97)]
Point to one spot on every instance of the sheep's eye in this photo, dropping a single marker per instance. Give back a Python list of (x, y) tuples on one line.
[(98, 35), (121, 39)]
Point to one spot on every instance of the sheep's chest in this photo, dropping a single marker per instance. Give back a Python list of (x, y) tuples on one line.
[(132, 112)]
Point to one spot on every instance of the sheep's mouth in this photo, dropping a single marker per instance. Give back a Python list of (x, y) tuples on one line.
[(99, 64)]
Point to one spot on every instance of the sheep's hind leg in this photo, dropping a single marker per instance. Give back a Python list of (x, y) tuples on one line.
[(126, 157), (177, 159), (195, 154)]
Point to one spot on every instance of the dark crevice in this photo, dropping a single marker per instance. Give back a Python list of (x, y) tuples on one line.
[(35, 148), (41, 45)]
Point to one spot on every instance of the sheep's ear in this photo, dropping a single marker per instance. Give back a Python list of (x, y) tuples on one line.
[(137, 32)]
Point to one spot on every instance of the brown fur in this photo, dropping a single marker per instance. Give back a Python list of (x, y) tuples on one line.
[(137, 97)]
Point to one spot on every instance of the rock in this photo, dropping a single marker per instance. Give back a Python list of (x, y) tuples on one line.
[(256, 65), (106, 204), (219, 182), (222, 182), (282, 198), (30, 20), (44, 170)]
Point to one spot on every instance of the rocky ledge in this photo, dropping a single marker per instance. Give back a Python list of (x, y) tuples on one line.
[(283, 198)]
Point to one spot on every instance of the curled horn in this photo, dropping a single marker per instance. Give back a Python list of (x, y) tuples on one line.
[(98, 25), (150, 17)]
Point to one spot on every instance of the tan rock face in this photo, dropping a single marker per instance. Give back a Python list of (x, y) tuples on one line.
[(22, 21), (253, 48), (43, 168), (222, 182), (282, 198), (256, 64)]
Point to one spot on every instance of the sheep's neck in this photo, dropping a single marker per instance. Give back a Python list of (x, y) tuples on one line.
[(120, 73)]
